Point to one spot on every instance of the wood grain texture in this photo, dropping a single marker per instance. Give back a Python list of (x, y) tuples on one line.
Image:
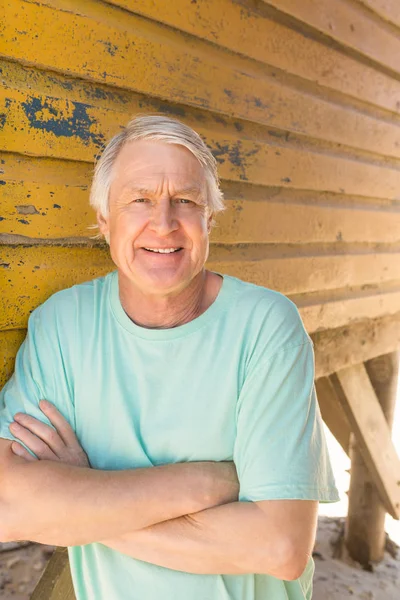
[(344, 22), (353, 344), (358, 399), (332, 412), (56, 582), (97, 43), (49, 199), (254, 30), (389, 10), (264, 160)]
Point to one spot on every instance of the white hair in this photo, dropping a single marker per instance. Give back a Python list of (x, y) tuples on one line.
[(160, 129)]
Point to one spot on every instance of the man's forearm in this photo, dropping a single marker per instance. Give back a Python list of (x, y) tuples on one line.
[(235, 538), (54, 503)]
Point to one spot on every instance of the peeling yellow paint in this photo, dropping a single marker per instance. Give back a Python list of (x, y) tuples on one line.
[(203, 76)]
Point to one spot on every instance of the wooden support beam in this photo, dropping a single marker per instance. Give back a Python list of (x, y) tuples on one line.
[(353, 344), (365, 525), (56, 582), (332, 412), (361, 405)]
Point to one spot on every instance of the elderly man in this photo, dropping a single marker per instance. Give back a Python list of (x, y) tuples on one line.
[(163, 381)]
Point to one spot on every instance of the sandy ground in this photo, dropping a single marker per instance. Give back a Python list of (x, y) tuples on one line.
[(340, 579), (21, 566)]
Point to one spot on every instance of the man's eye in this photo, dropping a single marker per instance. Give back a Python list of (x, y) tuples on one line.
[(140, 200), (184, 201)]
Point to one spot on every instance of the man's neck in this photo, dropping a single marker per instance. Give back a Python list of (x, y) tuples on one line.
[(157, 312)]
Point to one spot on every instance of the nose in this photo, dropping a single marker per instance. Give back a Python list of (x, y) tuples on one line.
[(163, 220)]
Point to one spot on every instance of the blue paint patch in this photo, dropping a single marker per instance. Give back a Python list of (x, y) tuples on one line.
[(2, 182), (236, 155), (23, 221), (111, 48), (3, 116), (259, 103), (78, 124), (56, 206), (220, 120)]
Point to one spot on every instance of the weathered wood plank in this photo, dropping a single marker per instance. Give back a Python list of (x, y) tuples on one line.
[(266, 220), (98, 42), (332, 412), (336, 308), (350, 345), (389, 10), (10, 341), (44, 198), (358, 399), (46, 211), (49, 199), (297, 269), (346, 23), (253, 155), (365, 526), (43, 270), (33, 274), (246, 29), (56, 582)]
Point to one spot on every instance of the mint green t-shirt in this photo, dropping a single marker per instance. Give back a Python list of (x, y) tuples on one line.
[(236, 383)]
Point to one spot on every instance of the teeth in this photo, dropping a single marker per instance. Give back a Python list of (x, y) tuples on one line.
[(163, 250)]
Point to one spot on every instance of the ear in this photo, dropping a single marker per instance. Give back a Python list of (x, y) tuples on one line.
[(103, 223)]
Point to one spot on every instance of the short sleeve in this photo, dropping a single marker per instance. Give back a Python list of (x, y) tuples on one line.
[(280, 450), (39, 374)]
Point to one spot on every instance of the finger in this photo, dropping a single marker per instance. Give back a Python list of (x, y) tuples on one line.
[(41, 430), (63, 427), (19, 450), (32, 442)]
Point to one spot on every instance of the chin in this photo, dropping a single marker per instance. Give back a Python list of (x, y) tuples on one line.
[(161, 282)]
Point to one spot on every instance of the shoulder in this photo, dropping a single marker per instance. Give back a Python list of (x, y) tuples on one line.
[(64, 307), (270, 321)]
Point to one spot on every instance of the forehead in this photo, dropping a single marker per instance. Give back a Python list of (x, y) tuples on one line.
[(152, 162)]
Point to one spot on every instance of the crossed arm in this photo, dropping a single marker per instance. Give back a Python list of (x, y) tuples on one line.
[(183, 516)]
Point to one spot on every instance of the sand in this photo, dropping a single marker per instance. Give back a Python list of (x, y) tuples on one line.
[(340, 579)]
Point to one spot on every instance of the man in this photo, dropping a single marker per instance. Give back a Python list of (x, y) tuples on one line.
[(170, 376)]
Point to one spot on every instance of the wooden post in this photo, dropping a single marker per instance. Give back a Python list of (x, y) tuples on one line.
[(365, 525), (56, 582)]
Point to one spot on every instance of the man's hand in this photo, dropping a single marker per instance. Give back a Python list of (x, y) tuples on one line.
[(219, 485), (58, 444)]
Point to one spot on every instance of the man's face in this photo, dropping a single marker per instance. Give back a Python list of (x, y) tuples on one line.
[(157, 202)]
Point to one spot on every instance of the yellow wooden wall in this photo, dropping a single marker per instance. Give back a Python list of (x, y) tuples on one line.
[(299, 101)]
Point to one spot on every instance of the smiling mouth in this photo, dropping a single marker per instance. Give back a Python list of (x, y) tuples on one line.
[(163, 250)]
